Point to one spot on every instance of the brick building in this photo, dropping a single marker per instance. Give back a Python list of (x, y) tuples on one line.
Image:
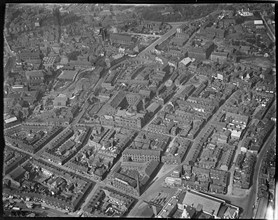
[(201, 53), (219, 57), (35, 77), (141, 155)]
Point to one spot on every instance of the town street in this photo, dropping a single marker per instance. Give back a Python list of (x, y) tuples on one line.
[(207, 125), (253, 195), (272, 35), (247, 200), (93, 88), (177, 92), (139, 34), (158, 41)]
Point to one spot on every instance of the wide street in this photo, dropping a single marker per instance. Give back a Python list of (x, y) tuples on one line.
[(89, 197), (158, 41), (155, 187), (272, 35), (74, 122), (253, 195), (207, 125), (178, 90), (139, 34), (248, 201)]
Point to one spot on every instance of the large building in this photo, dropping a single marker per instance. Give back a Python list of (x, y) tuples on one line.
[(68, 75), (209, 205), (34, 77), (219, 57), (60, 101), (141, 155), (29, 56), (201, 53)]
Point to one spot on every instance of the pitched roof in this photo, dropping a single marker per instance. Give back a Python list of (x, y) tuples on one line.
[(17, 173), (142, 152), (218, 53), (127, 179), (117, 98), (34, 73), (151, 166), (209, 205)]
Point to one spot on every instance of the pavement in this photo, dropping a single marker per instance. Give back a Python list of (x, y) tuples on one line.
[(207, 125), (146, 35), (163, 173), (268, 28), (248, 198), (260, 213), (165, 169), (93, 88), (89, 197), (184, 22), (178, 91), (155, 187), (253, 197), (232, 169), (158, 41), (54, 212), (37, 157)]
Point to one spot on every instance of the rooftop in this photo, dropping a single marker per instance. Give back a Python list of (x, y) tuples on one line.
[(68, 74), (34, 73), (207, 204), (142, 152)]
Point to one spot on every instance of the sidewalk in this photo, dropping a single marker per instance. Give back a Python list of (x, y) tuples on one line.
[(63, 212), (232, 169)]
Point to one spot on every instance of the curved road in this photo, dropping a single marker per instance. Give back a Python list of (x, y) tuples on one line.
[(253, 195)]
